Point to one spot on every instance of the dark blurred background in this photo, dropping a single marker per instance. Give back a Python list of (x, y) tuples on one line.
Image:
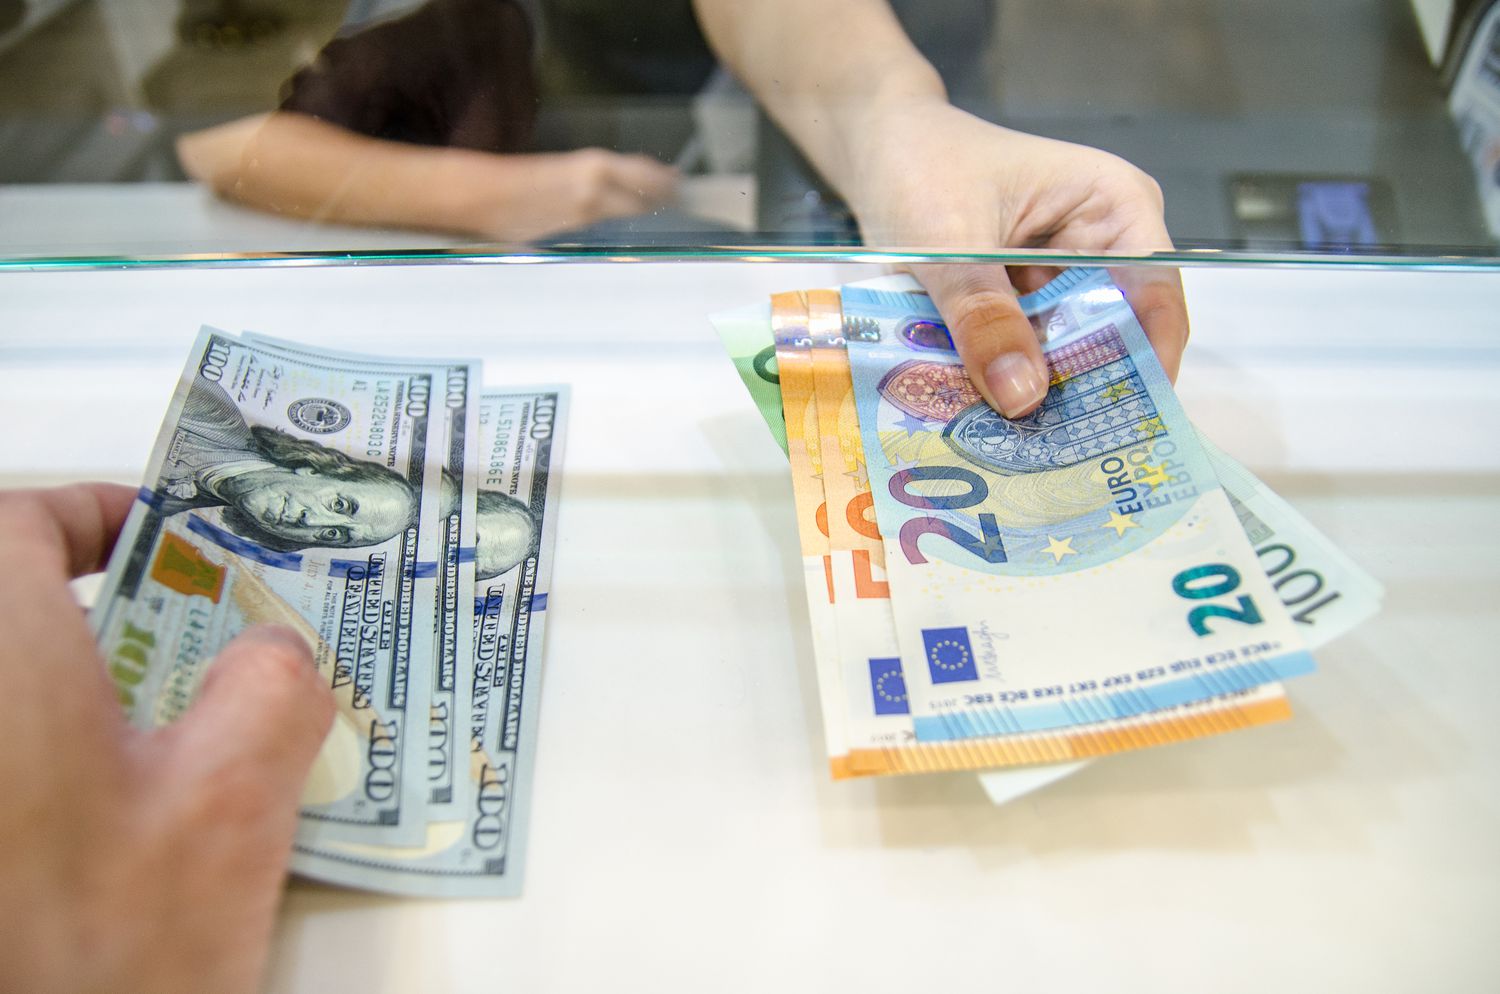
[(1275, 124)]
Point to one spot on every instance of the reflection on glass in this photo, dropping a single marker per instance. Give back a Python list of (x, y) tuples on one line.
[(1076, 125)]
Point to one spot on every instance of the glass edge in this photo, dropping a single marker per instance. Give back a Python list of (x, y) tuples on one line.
[(1459, 260)]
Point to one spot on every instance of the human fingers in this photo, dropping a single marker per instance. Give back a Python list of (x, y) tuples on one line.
[(1029, 279), (224, 782), (48, 652), (614, 201), (651, 181), (70, 529), (257, 723), (1155, 294), (605, 184), (993, 337)]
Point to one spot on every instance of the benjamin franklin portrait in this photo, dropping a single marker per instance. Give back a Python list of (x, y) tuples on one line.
[(281, 492), (506, 534)]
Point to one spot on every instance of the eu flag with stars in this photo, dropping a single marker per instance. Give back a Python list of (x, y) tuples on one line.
[(888, 686), (950, 655)]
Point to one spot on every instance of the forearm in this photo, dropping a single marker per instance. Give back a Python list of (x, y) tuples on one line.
[(298, 166), (822, 69)]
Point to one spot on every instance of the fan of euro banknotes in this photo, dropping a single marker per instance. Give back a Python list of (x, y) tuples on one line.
[(989, 594), (401, 518)]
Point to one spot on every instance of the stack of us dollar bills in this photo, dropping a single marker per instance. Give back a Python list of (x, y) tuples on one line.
[(401, 518), (988, 594)]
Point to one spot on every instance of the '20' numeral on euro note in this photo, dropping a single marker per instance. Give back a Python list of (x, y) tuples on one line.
[(1214, 580), (986, 545)]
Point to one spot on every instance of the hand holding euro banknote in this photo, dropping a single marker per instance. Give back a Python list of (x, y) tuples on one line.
[(987, 593)]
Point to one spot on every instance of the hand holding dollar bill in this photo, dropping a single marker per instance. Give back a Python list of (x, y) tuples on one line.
[(400, 519)]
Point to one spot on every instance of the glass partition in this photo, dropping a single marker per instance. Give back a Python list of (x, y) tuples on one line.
[(1364, 130)]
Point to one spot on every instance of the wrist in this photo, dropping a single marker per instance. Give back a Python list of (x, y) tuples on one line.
[(871, 123), (892, 139), (466, 192)]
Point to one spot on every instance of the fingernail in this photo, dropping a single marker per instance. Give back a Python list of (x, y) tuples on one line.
[(1015, 383)]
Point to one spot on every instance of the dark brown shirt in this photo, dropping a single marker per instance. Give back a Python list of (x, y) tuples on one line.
[(451, 72)]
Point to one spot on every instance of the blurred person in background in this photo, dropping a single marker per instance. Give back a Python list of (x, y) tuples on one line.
[(425, 118)]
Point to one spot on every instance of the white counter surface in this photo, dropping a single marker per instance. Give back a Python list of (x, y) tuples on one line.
[(685, 835)]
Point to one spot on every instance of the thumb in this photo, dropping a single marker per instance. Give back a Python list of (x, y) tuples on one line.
[(993, 337), (262, 714)]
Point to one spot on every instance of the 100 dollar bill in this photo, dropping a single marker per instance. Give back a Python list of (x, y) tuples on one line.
[(304, 491), (454, 569), (481, 853)]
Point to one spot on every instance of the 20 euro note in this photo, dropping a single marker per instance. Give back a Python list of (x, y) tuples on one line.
[(1077, 565), (878, 723), (450, 672), (482, 852), (875, 717), (304, 492), (1326, 592)]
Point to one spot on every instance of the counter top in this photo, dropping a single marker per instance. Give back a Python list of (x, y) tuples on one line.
[(684, 833)]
